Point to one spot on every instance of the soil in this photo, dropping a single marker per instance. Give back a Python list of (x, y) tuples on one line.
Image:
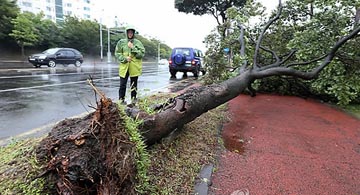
[(90, 155), (287, 145)]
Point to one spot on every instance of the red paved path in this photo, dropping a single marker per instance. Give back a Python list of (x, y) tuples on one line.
[(291, 146)]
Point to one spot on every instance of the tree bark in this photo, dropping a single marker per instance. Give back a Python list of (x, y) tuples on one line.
[(188, 106)]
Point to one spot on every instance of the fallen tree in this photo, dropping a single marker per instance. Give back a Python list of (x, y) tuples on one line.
[(191, 104), (94, 155)]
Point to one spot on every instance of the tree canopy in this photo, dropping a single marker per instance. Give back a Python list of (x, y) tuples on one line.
[(304, 32), (216, 8), (8, 11), (80, 34), (25, 32)]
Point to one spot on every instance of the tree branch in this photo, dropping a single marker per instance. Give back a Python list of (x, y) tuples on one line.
[(278, 62), (258, 43), (213, 12), (242, 48), (313, 73), (357, 16), (267, 50), (307, 62)]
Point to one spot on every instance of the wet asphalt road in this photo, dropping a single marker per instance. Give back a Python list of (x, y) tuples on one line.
[(32, 100)]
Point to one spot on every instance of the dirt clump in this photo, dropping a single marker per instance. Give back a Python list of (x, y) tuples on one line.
[(90, 155)]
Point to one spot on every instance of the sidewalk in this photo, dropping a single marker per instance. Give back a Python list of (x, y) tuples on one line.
[(288, 145)]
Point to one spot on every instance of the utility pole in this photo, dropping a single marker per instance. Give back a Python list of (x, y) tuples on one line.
[(109, 52), (101, 43)]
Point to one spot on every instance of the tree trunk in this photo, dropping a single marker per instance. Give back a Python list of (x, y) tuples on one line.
[(93, 154), (188, 106), (23, 52)]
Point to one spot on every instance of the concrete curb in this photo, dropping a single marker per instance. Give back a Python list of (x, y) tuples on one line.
[(204, 181)]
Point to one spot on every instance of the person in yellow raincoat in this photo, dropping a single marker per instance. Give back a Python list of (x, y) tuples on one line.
[(129, 53)]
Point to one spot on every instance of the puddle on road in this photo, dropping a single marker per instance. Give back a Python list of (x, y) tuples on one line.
[(234, 141), (235, 145)]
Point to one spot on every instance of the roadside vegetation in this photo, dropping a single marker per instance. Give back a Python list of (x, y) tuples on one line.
[(353, 109), (19, 168)]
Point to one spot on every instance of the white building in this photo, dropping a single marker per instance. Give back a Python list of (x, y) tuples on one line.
[(57, 10)]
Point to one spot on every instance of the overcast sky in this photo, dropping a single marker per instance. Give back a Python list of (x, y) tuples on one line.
[(159, 19)]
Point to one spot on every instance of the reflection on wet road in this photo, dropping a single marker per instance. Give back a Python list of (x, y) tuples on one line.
[(35, 99)]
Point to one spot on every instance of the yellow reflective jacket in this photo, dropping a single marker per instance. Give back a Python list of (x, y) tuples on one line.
[(122, 51)]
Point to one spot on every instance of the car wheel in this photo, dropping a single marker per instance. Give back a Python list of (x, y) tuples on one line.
[(77, 63), (52, 63)]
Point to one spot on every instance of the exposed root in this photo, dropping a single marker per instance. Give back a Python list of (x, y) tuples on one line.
[(90, 155)]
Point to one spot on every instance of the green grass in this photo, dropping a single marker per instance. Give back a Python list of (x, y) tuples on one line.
[(176, 162), (178, 159), (19, 168), (353, 109), (141, 156)]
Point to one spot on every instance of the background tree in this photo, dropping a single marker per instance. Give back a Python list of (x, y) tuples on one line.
[(216, 8), (25, 32), (33, 30), (80, 34), (50, 34), (8, 11)]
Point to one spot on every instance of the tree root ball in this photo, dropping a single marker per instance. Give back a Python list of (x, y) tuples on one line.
[(90, 155)]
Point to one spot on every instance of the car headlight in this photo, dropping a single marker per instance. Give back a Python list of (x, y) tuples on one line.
[(42, 57)]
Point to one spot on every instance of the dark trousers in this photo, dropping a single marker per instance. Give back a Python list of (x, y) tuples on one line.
[(133, 86)]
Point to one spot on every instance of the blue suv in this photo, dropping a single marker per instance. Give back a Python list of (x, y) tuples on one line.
[(186, 59)]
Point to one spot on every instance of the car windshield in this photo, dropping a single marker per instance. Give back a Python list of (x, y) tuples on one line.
[(51, 51), (182, 51)]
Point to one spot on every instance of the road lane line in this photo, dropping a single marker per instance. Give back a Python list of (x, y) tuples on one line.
[(52, 85)]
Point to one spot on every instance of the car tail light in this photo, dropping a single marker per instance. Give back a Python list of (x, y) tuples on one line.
[(170, 62), (193, 62)]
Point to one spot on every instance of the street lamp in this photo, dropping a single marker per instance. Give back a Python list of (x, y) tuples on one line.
[(101, 43), (109, 52)]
